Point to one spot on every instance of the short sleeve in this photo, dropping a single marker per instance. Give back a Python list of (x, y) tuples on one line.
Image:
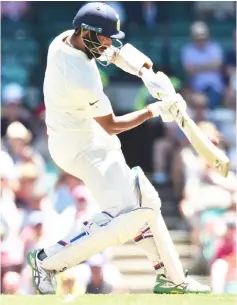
[(97, 104), (88, 88), (217, 52), (187, 56)]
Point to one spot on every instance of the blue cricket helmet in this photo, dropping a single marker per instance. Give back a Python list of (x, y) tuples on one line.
[(100, 18)]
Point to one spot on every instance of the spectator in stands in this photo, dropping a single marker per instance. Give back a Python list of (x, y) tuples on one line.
[(10, 216), (227, 244), (202, 60), (230, 62), (225, 120), (40, 210), (40, 218), (149, 13), (199, 108), (11, 260), (230, 74), (27, 175), (97, 284), (18, 144), (220, 10), (13, 10), (8, 173), (11, 254), (163, 150), (40, 142), (62, 196), (68, 285), (32, 196), (26, 286), (84, 210), (228, 131), (207, 194), (80, 210), (223, 268), (13, 110), (11, 283), (33, 231)]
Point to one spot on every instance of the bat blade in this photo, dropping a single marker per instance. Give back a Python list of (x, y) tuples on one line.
[(205, 148)]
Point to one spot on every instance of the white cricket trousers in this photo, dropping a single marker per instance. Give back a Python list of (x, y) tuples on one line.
[(103, 170)]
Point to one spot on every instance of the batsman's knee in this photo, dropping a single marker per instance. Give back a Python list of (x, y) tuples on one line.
[(146, 194), (139, 214)]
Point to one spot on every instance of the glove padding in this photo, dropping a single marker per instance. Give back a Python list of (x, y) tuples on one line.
[(131, 60), (159, 84), (162, 108)]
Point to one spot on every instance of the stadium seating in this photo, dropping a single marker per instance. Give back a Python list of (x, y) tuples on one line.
[(19, 57), (163, 43)]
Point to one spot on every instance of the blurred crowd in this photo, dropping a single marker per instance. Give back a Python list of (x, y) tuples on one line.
[(207, 201), (39, 203), (37, 209)]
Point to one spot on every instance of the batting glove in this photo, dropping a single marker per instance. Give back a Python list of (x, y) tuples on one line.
[(159, 84), (162, 108)]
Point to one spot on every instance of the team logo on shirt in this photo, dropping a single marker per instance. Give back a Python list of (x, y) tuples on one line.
[(94, 103)]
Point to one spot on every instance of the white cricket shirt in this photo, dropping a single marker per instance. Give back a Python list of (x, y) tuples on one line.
[(73, 93)]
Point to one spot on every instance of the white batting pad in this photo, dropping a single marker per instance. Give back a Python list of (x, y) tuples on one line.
[(94, 238), (168, 253), (148, 197), (145, 191), (145, 241)]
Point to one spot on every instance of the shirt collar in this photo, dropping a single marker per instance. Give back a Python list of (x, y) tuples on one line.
[(67, 48)]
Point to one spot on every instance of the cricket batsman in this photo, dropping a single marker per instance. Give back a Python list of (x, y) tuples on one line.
[(82, 140)]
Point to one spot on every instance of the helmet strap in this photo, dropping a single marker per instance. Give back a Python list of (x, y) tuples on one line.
[(92, 47)]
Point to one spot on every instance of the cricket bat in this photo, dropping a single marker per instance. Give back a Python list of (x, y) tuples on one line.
[(212, 154)]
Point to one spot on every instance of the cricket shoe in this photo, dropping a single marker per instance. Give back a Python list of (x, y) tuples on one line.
[(166, 286), (44, 280)]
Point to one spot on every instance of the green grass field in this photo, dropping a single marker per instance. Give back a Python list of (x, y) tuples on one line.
[(129, 299)]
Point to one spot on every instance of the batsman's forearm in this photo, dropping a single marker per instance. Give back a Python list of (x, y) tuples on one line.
[(130, 120)]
